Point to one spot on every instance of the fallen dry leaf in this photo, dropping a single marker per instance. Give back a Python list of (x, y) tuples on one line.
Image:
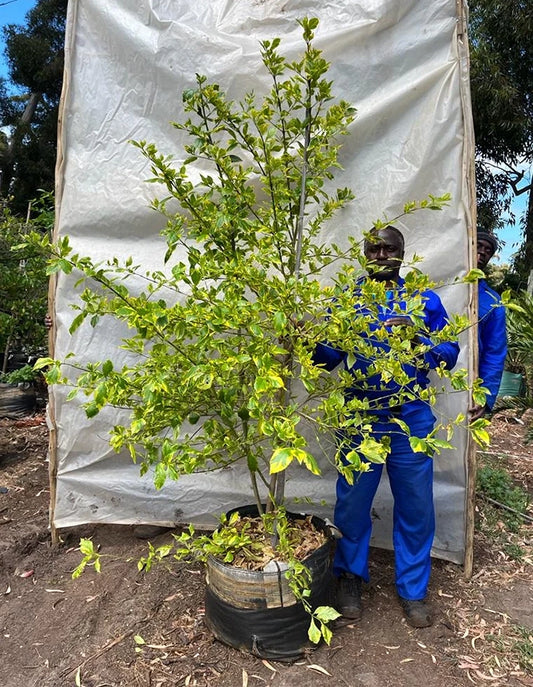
[(269, 666), (158, 646), (468, 665), (484, 676), (319, 669)]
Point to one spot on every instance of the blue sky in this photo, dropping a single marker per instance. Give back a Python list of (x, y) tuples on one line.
[(510, 235), (15, 11), (12, 12)]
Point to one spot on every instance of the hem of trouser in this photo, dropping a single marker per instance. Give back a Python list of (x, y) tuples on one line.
[(338, 573)]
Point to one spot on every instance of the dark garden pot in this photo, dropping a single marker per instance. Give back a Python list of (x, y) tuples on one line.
[(255, 611), (17, 401), (512, 384)]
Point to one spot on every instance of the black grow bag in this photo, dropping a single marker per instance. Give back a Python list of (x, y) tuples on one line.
[(17, 401), (255, 611)]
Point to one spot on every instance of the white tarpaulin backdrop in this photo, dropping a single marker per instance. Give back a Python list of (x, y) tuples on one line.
[(402, 65)]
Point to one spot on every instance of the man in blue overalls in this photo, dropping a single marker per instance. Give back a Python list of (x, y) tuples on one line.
[(410, 473), (492, 340)]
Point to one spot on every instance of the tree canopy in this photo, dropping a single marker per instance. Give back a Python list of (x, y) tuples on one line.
[(502, 87), (29, 102)]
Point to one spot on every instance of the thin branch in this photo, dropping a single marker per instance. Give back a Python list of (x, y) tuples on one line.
[(505, 507)]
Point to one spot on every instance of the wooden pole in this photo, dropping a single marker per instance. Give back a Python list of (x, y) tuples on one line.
[(51, 418), (468, 173), (59, 186)]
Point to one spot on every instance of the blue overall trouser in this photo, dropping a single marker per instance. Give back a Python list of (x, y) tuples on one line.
[(411, 480)]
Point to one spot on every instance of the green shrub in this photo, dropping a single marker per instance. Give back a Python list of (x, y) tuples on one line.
[(24, 375), (497, 484), (23, 282)]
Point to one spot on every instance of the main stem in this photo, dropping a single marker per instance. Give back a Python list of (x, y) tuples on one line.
[(277, 482)]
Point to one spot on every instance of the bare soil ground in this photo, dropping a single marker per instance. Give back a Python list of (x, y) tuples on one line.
[(124, 628)]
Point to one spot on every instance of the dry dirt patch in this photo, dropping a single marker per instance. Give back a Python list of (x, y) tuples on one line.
[(124, 628)]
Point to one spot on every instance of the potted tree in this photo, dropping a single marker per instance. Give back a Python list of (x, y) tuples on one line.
[(223, 339)]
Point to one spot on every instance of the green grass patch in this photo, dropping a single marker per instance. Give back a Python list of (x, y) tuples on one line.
[(504, 501)]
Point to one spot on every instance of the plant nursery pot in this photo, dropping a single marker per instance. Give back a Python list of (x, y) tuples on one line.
[(17, 400), (512, 384), (255, 611)]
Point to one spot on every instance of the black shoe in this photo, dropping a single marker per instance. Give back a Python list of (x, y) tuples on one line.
[(417, 613), (149, 531), (349, 596)]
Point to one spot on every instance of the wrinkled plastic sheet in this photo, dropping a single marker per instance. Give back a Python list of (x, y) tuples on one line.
[(401, 64)]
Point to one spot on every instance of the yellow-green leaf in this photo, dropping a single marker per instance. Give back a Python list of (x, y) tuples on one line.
[(313, 632), (281, 459), (373, 450)]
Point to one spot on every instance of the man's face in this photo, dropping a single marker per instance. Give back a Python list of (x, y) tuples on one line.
[(385, 255), (484, 253)]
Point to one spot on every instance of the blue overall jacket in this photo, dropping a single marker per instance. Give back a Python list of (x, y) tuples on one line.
[(374, 389), (492, 340)]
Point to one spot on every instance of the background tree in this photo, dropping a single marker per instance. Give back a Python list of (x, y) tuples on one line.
[(502, 86), (23, 283), (29, 102)]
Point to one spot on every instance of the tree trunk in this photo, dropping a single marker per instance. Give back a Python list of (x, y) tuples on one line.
[(15, 141), (528, 233)]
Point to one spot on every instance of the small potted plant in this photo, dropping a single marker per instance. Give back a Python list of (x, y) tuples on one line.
[(222, 340)]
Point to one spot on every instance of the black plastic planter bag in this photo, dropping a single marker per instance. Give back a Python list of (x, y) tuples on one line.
[(255, 613), (16, 401)]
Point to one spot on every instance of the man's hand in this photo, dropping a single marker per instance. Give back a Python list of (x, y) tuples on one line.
[(399, 321), (475, 412)]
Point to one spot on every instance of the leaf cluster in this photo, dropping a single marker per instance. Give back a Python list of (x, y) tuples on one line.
[(24, 375), (23, 284)]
